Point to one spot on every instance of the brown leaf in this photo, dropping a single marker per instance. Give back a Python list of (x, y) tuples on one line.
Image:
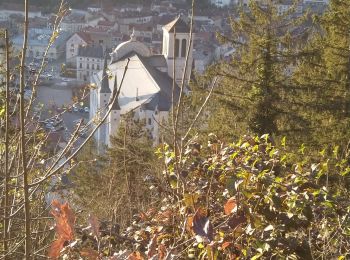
[(152, 246), (135, 256), (230, 206), (162, 252), (189, 223), (94, 225), (55, 249), (65, 219), (225, 245), (89, 253)]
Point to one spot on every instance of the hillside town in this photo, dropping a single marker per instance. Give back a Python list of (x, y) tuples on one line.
[(87, 39), (174, 129)]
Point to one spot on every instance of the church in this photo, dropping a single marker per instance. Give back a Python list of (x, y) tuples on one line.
[(147, 88)]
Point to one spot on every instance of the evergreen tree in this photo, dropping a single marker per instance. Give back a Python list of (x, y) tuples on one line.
[(253, 91), (113, 186), (324, 76)]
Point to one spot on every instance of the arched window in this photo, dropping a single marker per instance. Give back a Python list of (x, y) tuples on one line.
[(177, 47), (183, 48)]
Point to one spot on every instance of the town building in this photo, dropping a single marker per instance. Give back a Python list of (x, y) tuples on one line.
[(73, 43), (38, 41), (89, 61), (10, 9), (147, 89)]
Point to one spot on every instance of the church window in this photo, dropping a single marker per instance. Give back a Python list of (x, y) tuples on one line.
[(177, 47), (183, 48)]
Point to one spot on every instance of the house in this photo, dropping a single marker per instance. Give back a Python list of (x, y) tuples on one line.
[(147, 87), (73, 22), (38, 40), (220, 3), (89, 61), (73, 43), (8, 9)]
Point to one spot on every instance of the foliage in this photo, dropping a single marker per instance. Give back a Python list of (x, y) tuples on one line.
[(253, 89), (323, 76), (244, 200), (121, 174), (64, 227)]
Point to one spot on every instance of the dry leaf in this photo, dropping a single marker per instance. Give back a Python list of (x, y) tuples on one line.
[(89, 253), (135, 256), (65, 219), (152, 246), (230, 206)]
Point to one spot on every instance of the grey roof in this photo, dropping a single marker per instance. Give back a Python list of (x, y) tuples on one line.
[(163, 99), (157, 61), (91, 51), (104, 81), (179, 25)]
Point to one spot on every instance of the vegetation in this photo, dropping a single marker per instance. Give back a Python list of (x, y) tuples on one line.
[(243, 200), (244, 192), (121, 174)]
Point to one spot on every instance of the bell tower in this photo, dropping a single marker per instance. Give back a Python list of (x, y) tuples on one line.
[(176, 39)]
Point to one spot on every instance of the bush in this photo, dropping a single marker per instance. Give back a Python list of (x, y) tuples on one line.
[(244, 200)]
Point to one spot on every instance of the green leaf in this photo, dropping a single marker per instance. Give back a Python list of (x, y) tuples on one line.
[(283, 142)]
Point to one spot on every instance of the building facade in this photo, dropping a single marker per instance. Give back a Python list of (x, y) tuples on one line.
[(147, 88)]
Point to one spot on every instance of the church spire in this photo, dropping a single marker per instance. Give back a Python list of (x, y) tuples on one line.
[(115, 104), (104, 82)]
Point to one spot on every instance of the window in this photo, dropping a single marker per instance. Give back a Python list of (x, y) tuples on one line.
[(81, 65), (98, 67), (93, 66), (72, 45), (93, 59), (183, 48), (177, 46), (87, 66), (100, 41), (149, 121)]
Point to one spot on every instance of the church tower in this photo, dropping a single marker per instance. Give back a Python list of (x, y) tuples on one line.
[(114, 117), (176, 38), (104, 94)]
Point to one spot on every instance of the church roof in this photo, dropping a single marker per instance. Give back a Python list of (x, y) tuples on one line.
[(144, 85), (179, 25), (133, 45), (104, 81)]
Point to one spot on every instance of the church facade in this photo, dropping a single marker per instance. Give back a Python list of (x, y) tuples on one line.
[(148, 89)]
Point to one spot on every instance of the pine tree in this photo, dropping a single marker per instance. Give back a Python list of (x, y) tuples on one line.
[(253, 93), (324, 76), (114, 186)]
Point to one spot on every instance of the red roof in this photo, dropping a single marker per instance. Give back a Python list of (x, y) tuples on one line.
[(85, 36)]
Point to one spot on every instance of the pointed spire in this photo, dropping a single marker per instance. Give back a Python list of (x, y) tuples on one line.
[(104, 82), (133, 36), (115, 105)]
